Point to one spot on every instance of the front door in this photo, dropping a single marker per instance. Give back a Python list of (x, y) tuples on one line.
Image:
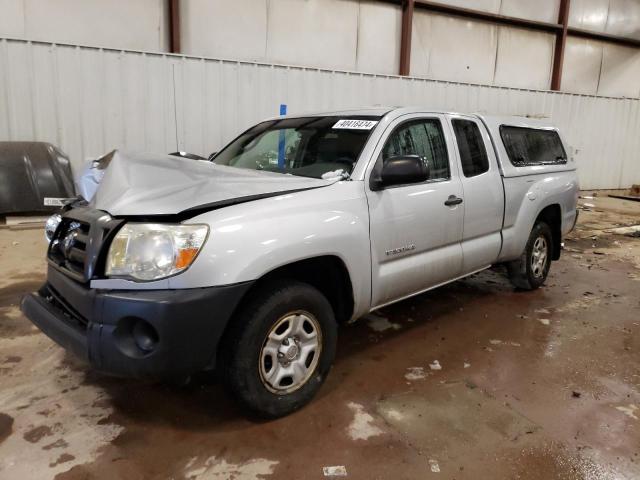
[(416, 229)]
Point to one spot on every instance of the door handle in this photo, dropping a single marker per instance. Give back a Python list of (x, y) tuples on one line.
[(453, 200)]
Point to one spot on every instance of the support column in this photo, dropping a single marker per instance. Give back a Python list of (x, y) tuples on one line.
[(561, 40), (405, 37), (174, 26)]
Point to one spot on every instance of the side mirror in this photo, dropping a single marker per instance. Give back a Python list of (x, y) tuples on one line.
[(400, 170)]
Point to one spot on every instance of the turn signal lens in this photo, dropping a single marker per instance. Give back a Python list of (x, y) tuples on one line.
[(185, 257)]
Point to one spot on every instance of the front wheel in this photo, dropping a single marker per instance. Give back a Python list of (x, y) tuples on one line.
[(531, 269), (279, 348)]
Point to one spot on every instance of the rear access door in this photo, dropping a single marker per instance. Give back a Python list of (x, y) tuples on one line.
[(483, 193)]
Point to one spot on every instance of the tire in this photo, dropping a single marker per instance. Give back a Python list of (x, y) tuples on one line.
[(280, 319), (527, 272)]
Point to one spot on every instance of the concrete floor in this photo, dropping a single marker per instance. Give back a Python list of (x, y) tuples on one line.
[(472, 380)]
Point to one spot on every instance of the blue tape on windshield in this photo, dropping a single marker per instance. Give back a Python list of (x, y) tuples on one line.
[(281, 143)]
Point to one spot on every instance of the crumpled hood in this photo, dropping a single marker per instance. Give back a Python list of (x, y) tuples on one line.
[(144, 184)]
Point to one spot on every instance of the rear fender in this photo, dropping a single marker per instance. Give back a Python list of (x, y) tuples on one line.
[(529, 195)]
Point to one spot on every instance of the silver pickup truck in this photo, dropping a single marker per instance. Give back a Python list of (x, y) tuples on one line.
[(247, 263)]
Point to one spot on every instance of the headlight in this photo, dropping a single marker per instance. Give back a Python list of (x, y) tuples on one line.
[(51, 225), (150, 251)]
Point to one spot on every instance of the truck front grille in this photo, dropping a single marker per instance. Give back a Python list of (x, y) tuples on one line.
[(69, 246), (78, 244)]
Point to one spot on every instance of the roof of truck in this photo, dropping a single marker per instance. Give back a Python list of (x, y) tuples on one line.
[(390, 114), (395, 111)]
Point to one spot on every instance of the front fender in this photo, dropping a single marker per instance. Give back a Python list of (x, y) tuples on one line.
[(248, 241)]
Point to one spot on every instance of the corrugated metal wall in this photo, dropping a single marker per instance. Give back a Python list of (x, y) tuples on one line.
[(89, 101)]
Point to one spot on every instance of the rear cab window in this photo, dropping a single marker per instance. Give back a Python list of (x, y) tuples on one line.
[(532, 146), (473, 154)]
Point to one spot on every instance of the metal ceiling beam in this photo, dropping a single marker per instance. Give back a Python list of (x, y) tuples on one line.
[(604, 37), (174, 26), (487, 16), (405, 36), (523, 23), (560, 29), (561, 40)]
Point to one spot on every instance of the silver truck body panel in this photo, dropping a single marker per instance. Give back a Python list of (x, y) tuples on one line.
[(147, 184), (245, 242), (526, 197), (483, 208), (394, 242), (404, 218), (530, 189)]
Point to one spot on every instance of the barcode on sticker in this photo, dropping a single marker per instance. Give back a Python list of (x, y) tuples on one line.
[(356, 124), (55, 202)]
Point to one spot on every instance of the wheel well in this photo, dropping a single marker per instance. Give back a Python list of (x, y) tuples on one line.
[(326, 273), (552, 216)]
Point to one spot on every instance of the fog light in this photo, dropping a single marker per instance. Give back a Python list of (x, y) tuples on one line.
[(145, 336)]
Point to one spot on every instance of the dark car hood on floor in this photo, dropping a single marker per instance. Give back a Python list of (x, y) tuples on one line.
[(35, 177)]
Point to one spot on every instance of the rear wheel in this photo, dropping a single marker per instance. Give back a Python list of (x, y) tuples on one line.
[(531, 269), (279, 348)]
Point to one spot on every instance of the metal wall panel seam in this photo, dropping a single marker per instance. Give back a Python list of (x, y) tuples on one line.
[(34, 96), (56, 96), (229, 60), (80, 103), (7, 91), (604, 129)]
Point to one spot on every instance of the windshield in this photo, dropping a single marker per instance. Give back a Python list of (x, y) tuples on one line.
[(319, 147)]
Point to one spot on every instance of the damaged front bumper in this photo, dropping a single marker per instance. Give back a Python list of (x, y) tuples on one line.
[(135, 333)]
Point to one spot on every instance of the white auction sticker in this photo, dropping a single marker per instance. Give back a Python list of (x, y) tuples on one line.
[(55, 202), (356, 124)]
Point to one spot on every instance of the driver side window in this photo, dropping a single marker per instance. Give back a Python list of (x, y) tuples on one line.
[(424, 138)]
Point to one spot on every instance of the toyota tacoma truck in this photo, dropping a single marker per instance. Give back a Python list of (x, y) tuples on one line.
[(248, 263)]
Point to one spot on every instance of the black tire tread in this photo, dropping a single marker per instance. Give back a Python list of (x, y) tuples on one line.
[(519, 270), (233, 361)]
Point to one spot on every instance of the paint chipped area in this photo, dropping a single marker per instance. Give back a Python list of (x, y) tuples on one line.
[(362, 427), (378, 323), (395, 415), (497, 341), (57, 421), (552, 348), (415, 373), (334, 471), (435, 365), (213, 468), (630, 410)]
